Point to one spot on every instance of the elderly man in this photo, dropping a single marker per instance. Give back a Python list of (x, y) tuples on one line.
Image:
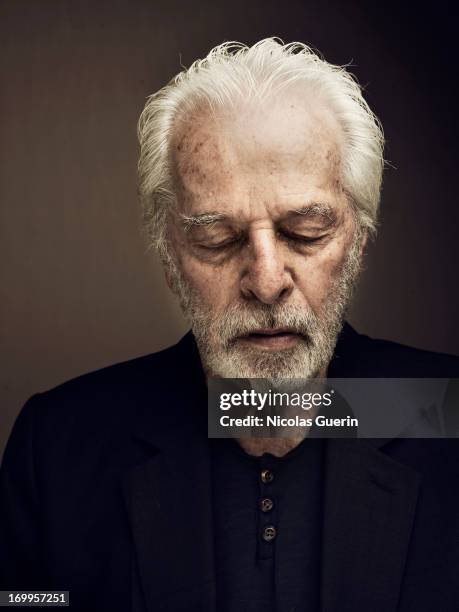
[(260, 176)]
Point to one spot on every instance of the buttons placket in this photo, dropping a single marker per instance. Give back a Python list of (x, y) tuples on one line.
[(266, 519)]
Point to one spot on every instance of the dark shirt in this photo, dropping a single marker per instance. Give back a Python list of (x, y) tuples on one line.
[(267, 524)]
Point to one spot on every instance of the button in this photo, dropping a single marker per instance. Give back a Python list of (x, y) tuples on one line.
[(267, 476), (266, 504), (269, 533)]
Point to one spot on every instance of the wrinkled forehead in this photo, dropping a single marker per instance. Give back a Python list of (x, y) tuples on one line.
[(276, 151)]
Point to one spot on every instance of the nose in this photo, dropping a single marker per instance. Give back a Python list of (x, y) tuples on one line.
[(265, 277)]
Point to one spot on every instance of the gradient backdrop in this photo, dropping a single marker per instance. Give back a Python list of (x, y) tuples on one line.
[(78, 290)]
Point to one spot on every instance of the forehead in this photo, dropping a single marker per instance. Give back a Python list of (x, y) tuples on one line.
[(254, 158)]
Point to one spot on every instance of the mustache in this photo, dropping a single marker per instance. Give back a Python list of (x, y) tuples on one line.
[(241, 320)]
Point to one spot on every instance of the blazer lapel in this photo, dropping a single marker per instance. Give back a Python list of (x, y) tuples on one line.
[(169, 505), (370, 503), (168, 492)]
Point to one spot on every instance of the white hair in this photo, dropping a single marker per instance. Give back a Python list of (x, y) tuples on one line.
[(233, 72)]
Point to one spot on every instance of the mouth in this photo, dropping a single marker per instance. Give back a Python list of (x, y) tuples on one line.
[(271, 339)]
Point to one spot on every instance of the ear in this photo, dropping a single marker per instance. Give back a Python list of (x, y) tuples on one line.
[(170, 277), (363, 244)]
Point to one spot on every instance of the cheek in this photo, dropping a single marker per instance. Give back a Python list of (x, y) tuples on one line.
[(315, 274), (217, 285)]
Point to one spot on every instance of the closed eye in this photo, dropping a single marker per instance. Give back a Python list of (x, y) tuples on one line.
[(219, 246), (302, 238)]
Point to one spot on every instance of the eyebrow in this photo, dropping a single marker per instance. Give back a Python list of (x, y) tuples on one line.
[(206, 219), (316, 210), (311, 210)]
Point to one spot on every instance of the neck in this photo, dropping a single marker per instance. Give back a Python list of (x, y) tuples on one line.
[(277, 446)]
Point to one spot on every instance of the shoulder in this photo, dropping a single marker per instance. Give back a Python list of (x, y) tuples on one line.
[(132, 378), (412, 362), (371, 357), (100, 407)]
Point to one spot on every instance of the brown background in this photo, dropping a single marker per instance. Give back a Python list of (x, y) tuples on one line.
[(78, 290)]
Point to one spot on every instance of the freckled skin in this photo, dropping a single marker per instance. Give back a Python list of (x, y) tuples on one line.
[(255, 167)]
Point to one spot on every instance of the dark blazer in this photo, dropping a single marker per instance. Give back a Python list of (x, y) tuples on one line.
[(105, 492)]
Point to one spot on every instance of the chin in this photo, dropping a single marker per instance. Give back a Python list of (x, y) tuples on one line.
[(246, 362)]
